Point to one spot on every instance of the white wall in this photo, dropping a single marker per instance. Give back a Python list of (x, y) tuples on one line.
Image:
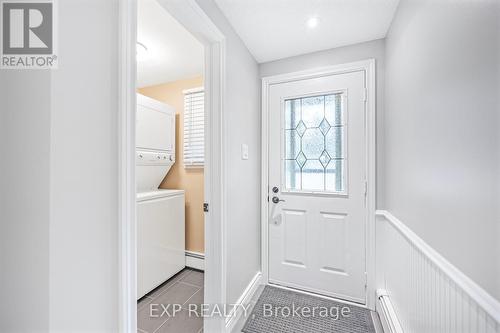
[(243, 179), (442, 147), (59, 227), (83, 182), (59, 224), (24, 200), (374, 49)]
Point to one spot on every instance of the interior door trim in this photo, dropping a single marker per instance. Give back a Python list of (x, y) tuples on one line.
[(368, 66)]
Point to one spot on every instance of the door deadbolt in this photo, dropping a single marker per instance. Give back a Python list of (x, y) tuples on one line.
[(276, 189)]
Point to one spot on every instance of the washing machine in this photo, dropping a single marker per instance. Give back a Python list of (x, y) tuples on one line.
[(160, 212)]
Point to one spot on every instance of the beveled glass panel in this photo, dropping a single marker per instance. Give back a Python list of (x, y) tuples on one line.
[(301, 128), (313, 176), (324, 126), (301, 159), (292, 140), (334, 110), (313, 110), (293, 175), (313, 143), (314, 134), (334, 142), (334, 178), (324, 159), (292, 113)]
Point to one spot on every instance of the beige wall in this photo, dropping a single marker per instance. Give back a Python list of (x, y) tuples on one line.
[(190, 180)]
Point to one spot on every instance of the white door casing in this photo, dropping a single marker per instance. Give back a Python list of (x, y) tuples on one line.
[(316, 239)]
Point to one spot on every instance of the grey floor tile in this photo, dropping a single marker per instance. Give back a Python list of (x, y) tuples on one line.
[(142, 302), (183, 322), (197, 298), (147, 323), (170, 292), (161, 289), (195, 278), (195, 301), (179, 293)]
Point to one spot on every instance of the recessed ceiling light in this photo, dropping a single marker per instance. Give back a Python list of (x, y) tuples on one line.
[(142, 52), (312, 22)]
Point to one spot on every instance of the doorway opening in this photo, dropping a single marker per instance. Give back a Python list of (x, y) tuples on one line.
[(171, 158), (170, 133)]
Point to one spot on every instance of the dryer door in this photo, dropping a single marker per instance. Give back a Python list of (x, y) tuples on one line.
[(155, 125)]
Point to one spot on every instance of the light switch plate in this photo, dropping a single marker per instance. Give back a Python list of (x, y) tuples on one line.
[(244, 151)]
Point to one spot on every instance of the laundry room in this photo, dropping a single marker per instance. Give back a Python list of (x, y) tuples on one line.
[(170, 129)]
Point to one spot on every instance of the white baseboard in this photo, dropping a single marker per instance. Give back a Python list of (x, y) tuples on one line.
[(243, 301), (195, 260), (388, 318)]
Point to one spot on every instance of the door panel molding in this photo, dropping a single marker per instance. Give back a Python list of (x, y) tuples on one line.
[(368, 66)]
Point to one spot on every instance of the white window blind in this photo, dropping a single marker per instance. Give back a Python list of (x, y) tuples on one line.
[(194, 127)]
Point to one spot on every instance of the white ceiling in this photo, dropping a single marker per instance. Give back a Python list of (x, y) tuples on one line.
[(173, 53), (275, 29)]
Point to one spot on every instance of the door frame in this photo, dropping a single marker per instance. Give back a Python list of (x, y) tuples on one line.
[(195, 20), (370, 134)]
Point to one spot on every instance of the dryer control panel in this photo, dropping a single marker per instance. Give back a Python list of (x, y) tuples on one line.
[(153, 158)]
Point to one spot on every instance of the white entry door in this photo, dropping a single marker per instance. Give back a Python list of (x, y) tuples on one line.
[(317, 168)]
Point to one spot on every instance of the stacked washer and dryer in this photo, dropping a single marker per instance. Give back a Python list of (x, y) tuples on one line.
[(160, 212)]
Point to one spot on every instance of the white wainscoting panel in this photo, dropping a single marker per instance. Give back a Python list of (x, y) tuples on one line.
[(428, 293)]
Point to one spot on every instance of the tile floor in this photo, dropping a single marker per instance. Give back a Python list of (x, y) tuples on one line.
[(184, 289)]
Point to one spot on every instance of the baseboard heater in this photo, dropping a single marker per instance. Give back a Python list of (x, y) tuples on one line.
[(387, 314), (195, 260)]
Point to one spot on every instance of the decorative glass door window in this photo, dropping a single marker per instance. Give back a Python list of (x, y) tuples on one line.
[(314, 143)]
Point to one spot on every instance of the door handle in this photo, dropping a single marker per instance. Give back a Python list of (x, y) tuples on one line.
[(275, 199)]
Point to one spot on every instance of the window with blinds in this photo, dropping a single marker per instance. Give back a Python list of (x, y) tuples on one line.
[(194, 128)]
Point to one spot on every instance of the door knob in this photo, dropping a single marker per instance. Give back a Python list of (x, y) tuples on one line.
[(275, 199)]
